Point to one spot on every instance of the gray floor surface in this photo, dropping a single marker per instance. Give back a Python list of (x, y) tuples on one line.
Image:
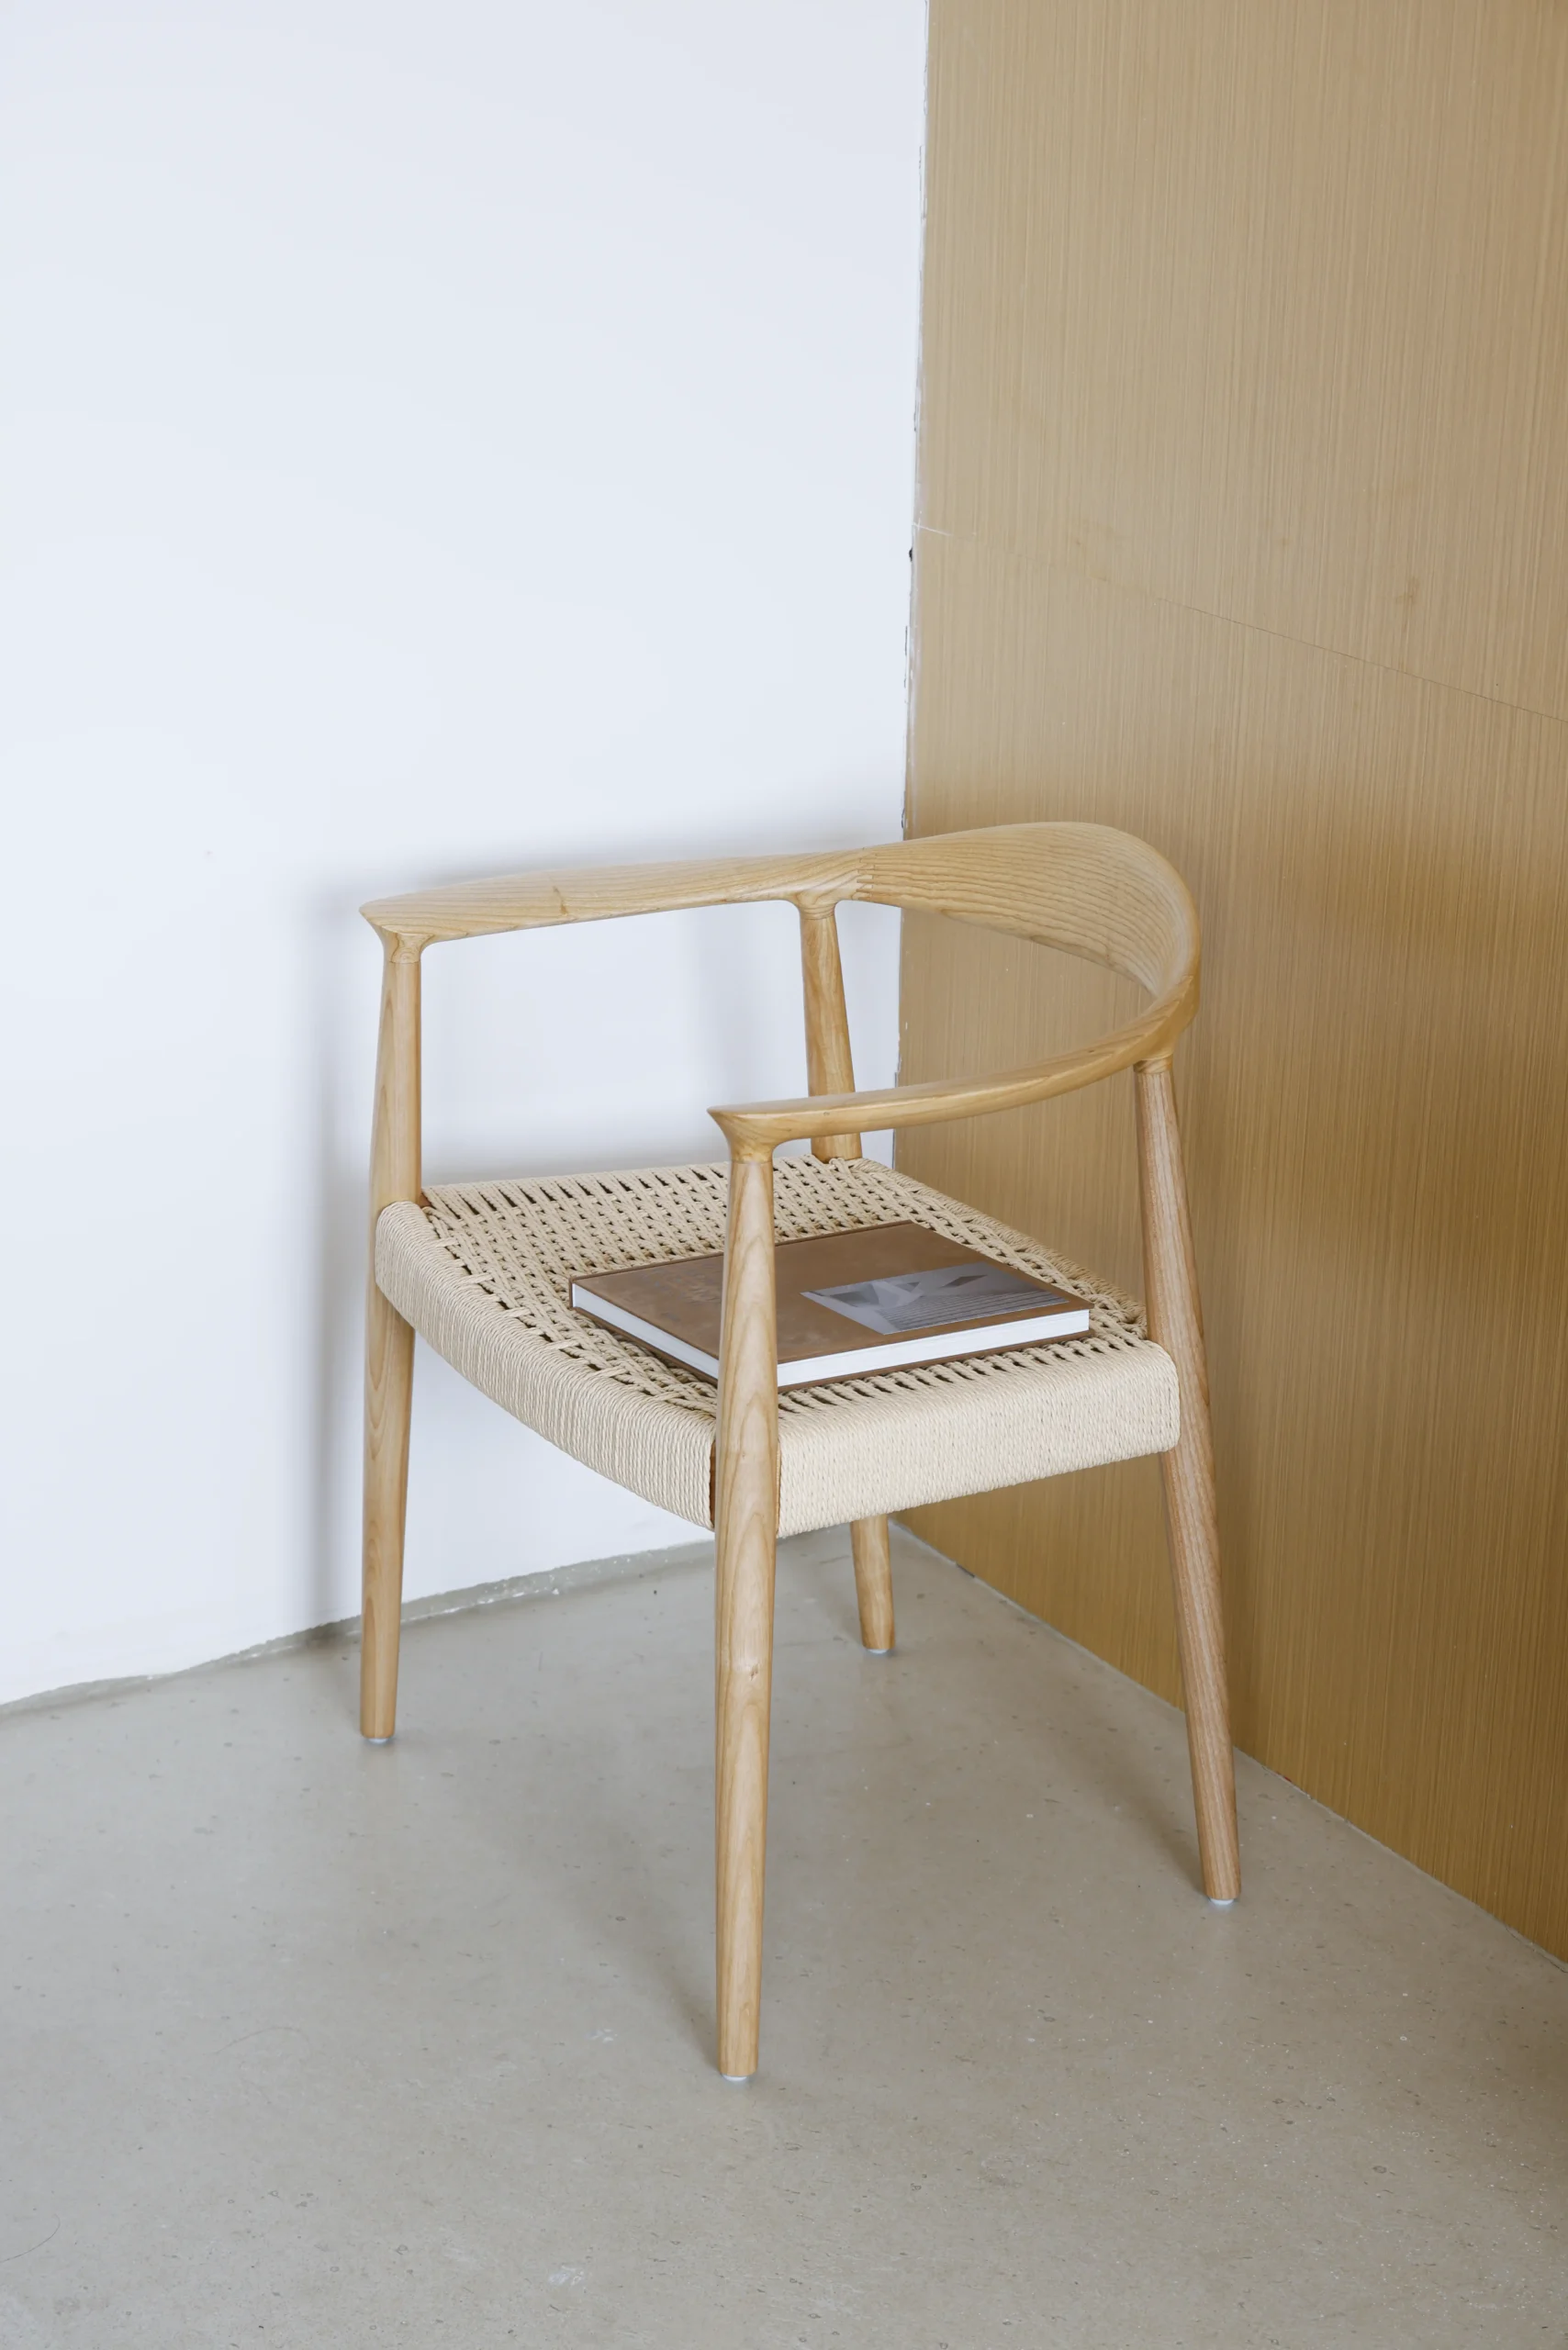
[(309, 2043)]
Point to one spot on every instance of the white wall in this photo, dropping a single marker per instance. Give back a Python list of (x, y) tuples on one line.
[(438, 439)]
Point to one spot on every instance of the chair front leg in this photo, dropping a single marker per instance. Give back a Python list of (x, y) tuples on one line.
[(1175, 1323), (389, 1348), (389, 1402), (745, 1522)]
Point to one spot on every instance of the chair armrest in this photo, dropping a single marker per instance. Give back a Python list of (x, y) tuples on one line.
[(597, 893), (756, 1129)]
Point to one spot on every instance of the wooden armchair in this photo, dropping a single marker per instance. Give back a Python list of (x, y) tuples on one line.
[(483, 1272)]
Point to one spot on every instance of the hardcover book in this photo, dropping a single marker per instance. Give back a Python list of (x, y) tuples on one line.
[(849, 1302)]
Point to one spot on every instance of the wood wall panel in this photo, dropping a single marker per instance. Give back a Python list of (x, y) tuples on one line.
[(1375, 1096), (1280, 284)]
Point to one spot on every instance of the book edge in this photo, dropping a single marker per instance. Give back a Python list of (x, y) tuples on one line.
[(853, 1362)]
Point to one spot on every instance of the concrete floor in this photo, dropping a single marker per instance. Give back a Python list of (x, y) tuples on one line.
[(311, 2044)]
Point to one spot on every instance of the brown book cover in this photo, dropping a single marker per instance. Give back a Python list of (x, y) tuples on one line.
[(848, 1303)]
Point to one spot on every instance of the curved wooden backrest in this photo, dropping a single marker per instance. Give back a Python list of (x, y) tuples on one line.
[(1082, 888)]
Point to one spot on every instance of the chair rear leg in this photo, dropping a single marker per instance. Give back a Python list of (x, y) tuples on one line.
[(388, 1399), (873, 1582), (1175, 1321), (1200, 1638)]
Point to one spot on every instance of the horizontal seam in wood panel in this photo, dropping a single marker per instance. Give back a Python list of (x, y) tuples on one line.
[(1015, 553)]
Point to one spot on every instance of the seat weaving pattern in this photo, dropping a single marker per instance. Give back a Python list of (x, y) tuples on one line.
[(483, 1272)]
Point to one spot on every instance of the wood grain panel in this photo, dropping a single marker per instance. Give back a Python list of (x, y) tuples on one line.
[(1258, 305), (1374, 1103)]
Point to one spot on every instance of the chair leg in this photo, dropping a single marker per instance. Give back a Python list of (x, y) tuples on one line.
[(388, 1399), (747, 1528), (1200, 1636), (1175, 1321), (873, 1582)]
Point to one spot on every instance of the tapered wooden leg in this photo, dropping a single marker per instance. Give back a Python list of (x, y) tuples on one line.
[(388, 1344), (1175, 1322), (388, 1398), (873, 1582), (746, 1527)]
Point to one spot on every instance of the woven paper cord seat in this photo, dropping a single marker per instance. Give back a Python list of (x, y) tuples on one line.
[(483, 1272)]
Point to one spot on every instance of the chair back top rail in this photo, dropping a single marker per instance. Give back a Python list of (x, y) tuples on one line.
[(1085, 888)]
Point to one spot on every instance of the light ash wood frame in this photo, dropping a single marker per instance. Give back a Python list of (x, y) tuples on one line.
[(1081, 888)]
